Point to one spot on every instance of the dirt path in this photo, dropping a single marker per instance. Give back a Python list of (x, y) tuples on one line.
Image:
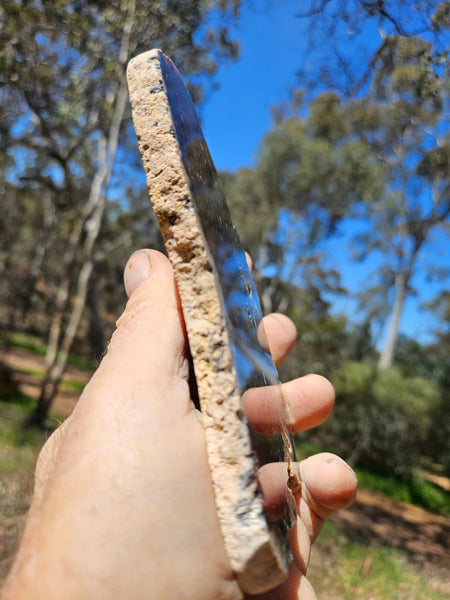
[(29, 383), (425, 536)]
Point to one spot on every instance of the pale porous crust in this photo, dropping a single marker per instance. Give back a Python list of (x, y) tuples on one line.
[(251, 550)]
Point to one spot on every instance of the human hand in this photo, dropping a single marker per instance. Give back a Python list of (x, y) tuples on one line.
[(123, 505)]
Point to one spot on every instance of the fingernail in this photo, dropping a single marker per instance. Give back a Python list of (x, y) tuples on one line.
[(137, 269), (337, 460)]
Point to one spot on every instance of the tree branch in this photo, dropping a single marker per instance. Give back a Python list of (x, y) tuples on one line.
[(371, 65), (313, 11)]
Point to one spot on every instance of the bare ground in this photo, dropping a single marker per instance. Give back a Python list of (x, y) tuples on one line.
[(29, 384), (422, 534)]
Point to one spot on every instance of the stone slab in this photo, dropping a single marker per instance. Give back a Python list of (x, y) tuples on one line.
[(221, 311)]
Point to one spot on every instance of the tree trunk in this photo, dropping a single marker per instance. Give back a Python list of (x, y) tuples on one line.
[(387, 353), (56, 369), (96, 331), (60, 342), (40, 251)]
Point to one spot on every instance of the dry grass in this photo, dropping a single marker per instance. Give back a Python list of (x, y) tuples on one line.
[(342, 567), (18, 450)]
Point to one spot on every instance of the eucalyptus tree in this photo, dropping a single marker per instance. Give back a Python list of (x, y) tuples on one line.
[(374, 147), (389, 60), (308, 176), (440, 431), (64, 91), (405, 127), (346, 37)]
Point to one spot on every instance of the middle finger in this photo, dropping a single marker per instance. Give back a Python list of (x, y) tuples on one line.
[(299, 404)]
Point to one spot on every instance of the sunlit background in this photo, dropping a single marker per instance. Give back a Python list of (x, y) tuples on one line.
[(328, 121)]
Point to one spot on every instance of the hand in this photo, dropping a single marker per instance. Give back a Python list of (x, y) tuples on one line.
[(123, 506)]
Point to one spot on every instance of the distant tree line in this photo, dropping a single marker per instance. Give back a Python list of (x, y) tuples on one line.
[(68, 145), (372, 148), (363, 140)]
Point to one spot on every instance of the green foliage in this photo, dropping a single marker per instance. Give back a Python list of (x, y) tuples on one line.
[(19, 399), (439, 433), (62, 65), (363, 157), (81, 362), (35, 345), (247, 198), (326, 117), (378, 150), (12, 433), (441, 18), (68, 146), (309, 174), (416, 359), (414, 395), (380, 155), (435, 164), (305, 166), (382, 420), (323, 340), (25, 341), (414, 490), (18, 452)]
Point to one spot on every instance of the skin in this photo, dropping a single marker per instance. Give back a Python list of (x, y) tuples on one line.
[(123, 505)]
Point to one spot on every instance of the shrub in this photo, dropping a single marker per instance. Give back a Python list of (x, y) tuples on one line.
[(382, 420)]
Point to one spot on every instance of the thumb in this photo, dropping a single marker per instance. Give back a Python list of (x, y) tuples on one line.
[(148, 345)]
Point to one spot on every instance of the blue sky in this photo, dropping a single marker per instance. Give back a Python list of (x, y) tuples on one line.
[(237, 115)]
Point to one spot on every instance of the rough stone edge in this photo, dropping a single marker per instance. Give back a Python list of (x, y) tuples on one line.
[(252, 550)]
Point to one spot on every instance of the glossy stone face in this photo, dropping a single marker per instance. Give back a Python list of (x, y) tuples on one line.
[(254, 367)]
